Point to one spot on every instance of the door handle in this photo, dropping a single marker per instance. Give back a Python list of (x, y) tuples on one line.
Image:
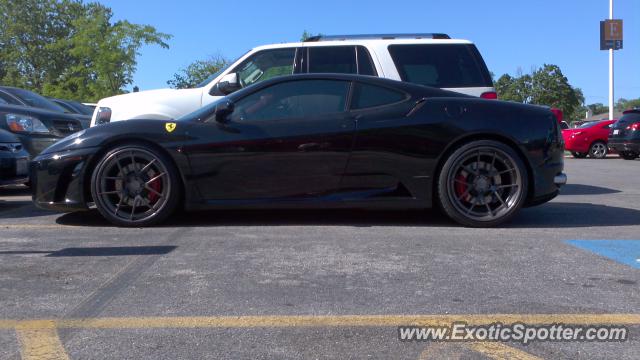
[(313, 146)]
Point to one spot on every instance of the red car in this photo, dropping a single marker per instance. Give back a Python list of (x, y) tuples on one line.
[(588, 139)]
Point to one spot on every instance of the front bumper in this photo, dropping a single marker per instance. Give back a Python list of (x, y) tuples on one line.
[(14, 168), (58, 180), (36, 144)]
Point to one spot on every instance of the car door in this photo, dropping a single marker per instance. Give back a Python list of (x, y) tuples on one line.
[(290, 140)]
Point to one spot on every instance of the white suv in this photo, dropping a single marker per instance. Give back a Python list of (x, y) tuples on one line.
[(428, 59)]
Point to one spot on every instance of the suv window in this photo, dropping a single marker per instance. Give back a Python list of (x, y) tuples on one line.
[(366, 96), (365, 63), (340, 59), (441, 65), (265, 65), (332, 59), (293, 99)]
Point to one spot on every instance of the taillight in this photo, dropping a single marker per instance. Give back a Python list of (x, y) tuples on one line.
[(558, 114), (634, 126), (491, 95)]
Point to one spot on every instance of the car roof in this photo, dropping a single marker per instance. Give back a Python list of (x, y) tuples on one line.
[(364, 42)]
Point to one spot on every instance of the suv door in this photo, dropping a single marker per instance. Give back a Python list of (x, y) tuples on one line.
[(289, 140), (344, 59)]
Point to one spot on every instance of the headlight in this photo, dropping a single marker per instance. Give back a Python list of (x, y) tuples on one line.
[(25, 124), (103, 116)]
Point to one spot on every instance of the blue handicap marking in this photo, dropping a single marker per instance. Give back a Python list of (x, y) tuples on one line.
[(623, 251)]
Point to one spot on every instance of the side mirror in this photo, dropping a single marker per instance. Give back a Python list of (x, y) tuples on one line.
[(229, 83), (223, 109)]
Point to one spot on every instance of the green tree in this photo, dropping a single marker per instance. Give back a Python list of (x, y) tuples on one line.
[(197, 72), (544, 86), (69, 49), (306, 35), (598, 108), (625, 104)]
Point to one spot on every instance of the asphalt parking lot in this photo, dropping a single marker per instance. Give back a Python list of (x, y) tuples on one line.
[(321, 284)]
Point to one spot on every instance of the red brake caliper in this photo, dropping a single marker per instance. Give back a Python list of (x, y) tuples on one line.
[(460, 185), (157, 186)]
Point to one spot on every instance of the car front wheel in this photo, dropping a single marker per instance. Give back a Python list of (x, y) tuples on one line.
[(482, 184), (135, 185)]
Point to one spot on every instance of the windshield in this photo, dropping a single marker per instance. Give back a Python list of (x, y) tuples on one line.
[(35, 100)]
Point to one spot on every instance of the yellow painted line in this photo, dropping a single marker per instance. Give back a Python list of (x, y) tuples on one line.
[(497, 350), (328, 321), (39, 341)]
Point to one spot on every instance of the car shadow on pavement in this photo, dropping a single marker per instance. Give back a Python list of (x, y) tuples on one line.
[(98, 251), (580, 189), (550, 215)]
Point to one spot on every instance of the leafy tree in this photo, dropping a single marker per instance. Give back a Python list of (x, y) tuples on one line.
[(598, 108), (306, 35), (624, 104), (197, 72), (544, 86), (69, 49)]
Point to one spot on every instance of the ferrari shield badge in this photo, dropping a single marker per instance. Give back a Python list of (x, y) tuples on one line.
[(170, 126)]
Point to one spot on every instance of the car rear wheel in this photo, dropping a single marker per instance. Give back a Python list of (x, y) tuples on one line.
[(598, 150), (482, 184), (579, 155), (135, 185), (628, 155)]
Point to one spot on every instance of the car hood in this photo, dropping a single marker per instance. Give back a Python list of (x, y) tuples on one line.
[(162, 103)]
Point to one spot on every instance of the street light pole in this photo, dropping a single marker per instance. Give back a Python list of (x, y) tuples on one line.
[(611, 68)]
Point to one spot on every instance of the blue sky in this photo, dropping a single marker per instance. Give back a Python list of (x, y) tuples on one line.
[(510, 34)]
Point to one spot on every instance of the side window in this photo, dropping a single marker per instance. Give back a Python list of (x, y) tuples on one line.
[(332, 59), (367, 96), (440, 65), (293, 99), (265, 65), (365, 63)]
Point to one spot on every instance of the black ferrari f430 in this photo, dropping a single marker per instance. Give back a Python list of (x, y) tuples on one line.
[(313, 141)]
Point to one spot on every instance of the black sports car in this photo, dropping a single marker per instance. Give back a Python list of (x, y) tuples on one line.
[(316, 140)]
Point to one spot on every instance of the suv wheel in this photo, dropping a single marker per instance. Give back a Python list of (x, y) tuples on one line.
[(628, 155)]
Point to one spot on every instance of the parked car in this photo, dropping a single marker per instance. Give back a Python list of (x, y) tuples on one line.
[(22, 97), (589, 139), (426, 59), (14, 160), (625, 135), (74, 107), (293, 142), (36, 128)]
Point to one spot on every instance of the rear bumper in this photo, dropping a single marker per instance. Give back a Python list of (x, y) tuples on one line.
[(631, 145)]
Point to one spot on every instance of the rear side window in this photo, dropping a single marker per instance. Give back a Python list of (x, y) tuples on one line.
[(365, 64), (441, 65), (340, 59), (332, 59), (367, 96), (627, 119)]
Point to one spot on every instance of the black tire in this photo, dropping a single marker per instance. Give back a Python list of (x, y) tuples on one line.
[(628, 155), (579, 155), (484, 174), (134, 177), (598, 150)]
